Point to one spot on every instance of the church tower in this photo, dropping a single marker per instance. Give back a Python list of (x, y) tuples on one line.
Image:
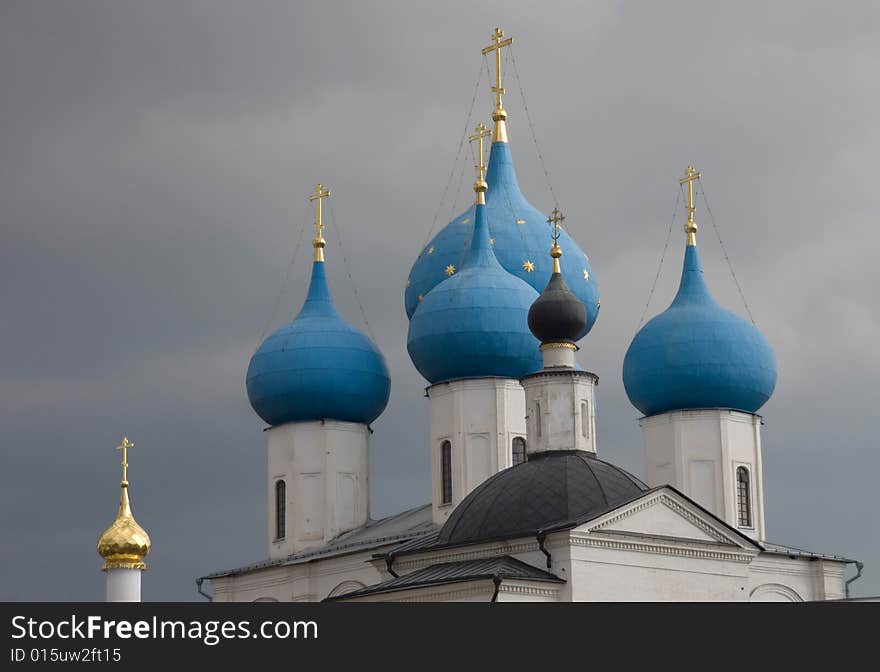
[(124, 545), (469, 337), (699, 373), (477, 404), (560, 406), (318, 383)]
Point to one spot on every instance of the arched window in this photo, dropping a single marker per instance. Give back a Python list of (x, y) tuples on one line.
[(585, 419), (519, 450), (280, 509), (743, 497), (446, 472), (537, 418)]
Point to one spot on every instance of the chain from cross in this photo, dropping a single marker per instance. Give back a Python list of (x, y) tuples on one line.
[(124, 446)]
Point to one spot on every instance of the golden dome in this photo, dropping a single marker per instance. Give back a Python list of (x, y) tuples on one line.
[(124, 544)]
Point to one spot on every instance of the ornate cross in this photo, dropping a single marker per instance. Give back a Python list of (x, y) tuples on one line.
[(556, 218), (481, 132), (124, 446), (498, 42), (690, 176), (321, 192)]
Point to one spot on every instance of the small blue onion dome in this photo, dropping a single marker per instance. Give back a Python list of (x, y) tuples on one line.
[(318, 367), (697, 354), (474, 324), (520, 235)]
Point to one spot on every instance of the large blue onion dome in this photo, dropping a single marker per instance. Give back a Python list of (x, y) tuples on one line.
[(697, 354), (474, 324), (520, 237), (318, 367)]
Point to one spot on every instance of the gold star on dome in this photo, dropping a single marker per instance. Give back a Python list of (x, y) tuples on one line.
[(421, 297), (466, 220), (431, 250), (450, 269), (491, 241), (586, 274), (520, 221), (599, 303), (529, 267), (407, 283)]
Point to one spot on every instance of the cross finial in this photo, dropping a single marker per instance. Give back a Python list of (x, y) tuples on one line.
[(321, 192), (556, 218), (124, 446), (480, 185), (499, 115), (690, 176)]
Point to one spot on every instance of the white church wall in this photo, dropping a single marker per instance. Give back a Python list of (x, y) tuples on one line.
[(775, 578), (699, 451), (566, 404), (480, 418), (303, 582), (324, 465), (615, 574)]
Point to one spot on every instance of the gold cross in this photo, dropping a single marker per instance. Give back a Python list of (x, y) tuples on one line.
[(480, 185), (556, 218), (499, 42), (690, 175), (320, 194), (124, 446)]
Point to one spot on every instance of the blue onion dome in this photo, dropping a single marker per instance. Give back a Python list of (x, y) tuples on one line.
[(558, 316), (474, 324), (520, 236), (697, 354), (318, 367)]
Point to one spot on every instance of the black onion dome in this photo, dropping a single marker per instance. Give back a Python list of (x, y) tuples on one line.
[(552, 488), (557, 316)]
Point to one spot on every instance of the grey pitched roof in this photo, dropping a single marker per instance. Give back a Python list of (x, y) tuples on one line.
[(399, 527), (499, 568), (792, 552)]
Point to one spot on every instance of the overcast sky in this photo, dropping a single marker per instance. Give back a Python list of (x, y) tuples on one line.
[(156, 163)]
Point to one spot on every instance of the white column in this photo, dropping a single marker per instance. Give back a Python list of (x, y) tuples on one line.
[(560, 408), (480, 418), (325, 469), (699, 452), (123, 585)]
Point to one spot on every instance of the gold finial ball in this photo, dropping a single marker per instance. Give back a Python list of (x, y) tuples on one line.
[(555, 251), (481, 186), (499, 115)]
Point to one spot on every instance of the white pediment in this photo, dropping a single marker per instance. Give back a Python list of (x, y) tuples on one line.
[(668, 515)]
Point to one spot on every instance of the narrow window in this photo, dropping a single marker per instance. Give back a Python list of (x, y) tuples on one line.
[(280, 509), (446, 472), (743, 497), (519, 450), (537, 418), (585, 419)]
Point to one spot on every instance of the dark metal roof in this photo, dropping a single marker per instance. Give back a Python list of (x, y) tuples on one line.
[(549, 490), (792, 552), (499, 568), (400, 527), (557, 316)]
